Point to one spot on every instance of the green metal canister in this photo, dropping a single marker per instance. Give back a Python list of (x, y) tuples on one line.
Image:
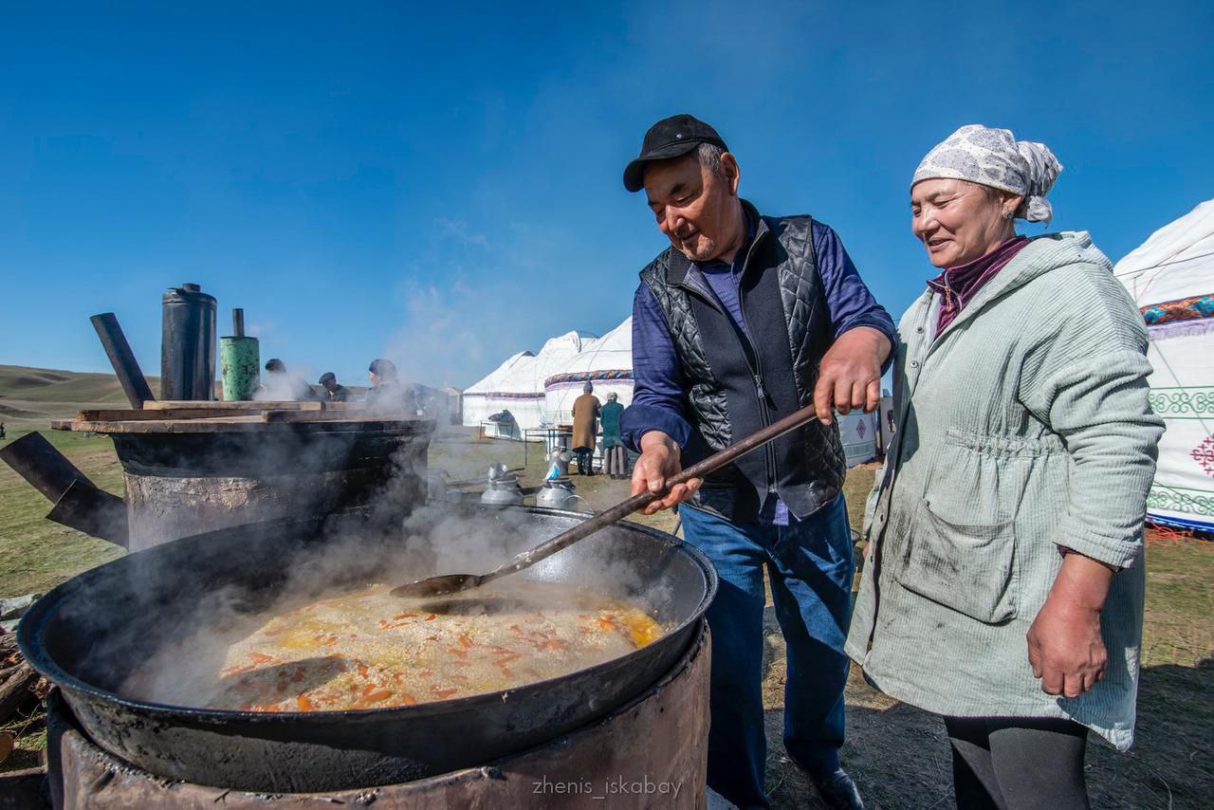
[(239, 362)]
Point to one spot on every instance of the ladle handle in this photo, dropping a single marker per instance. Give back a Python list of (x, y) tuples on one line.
[(625, 508)]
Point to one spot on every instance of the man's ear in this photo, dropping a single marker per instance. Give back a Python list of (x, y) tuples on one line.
[(731, 171)]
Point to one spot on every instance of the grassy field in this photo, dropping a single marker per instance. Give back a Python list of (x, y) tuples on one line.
[(35, 554), (897, 754)]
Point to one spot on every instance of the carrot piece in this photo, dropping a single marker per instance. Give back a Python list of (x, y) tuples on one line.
[(432, 617), (465, 641), (400, 616), (378, 695), (258, 658), (443, 694), (305, 704)]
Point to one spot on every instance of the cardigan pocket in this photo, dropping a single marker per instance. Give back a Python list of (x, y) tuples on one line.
[(968, 568)]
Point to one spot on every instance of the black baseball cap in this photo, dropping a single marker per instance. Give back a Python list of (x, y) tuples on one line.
[(669, 138)]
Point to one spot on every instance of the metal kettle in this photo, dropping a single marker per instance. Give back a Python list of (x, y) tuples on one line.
[(503, 489), (557, 493)]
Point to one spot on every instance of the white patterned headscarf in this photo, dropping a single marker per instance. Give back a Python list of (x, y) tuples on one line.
[(993, 157)]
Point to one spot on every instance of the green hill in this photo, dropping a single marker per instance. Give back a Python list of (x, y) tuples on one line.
[(30, 397)]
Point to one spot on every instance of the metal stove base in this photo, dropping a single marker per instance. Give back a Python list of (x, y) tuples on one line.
[(653, 753)]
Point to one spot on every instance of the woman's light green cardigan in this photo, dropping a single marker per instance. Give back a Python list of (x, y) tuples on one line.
[(1024, 427)]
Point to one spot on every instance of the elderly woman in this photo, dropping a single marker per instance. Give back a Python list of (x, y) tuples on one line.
[(1004, 584)]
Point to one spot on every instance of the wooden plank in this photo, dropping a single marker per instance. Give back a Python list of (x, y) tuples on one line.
[(148, 414), (23, 790), (176, 405), (327, 415), (245, 423)]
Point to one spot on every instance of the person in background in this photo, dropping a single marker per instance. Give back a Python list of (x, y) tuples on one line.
[(615, 455), (279, 385), (741, 321), (586, 409), (386, 393), (422, 404), (335, 391), (1004, 581)]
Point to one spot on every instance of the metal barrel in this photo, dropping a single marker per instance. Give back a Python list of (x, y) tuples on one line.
[(239, 367), (187, 358)]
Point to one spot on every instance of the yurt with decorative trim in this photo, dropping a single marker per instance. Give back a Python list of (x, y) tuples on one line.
[(604, 362), (518, 384), (1171, 278)]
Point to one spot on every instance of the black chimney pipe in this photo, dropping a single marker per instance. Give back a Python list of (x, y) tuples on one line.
[(134, 384), (79, 503)]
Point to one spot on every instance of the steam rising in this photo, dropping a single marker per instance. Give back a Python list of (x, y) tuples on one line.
[(178, 655)]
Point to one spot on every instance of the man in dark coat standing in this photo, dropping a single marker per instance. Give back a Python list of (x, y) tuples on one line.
[(586, 410), (741, 321)]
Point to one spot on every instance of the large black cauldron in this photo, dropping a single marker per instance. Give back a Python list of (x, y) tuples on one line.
[(89, 634)]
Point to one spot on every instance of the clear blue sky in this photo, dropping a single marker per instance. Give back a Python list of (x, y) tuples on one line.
[(440, 183)]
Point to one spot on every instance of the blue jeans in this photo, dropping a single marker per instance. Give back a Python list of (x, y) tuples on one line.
[(810, 566)]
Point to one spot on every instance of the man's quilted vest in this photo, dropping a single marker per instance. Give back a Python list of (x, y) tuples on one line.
[(736, 384)]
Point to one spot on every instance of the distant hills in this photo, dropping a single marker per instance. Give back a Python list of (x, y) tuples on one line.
[(38, 394)]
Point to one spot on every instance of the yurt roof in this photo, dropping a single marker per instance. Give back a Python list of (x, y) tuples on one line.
[(1176, 262)]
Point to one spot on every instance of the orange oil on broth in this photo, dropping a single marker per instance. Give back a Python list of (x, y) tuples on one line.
[(368, 650)]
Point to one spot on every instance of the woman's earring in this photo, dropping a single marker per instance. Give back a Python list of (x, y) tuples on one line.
[(1008, 214)]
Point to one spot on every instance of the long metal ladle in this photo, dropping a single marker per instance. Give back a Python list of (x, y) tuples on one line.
[(452, 583)]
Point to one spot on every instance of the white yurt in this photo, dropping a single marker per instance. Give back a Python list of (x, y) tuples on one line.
[(1171, 278), (510, 387), (517, 385), (860, 434), (606, 363)]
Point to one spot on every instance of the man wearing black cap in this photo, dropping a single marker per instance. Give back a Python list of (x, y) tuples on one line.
[(742, 320), (335, 391)]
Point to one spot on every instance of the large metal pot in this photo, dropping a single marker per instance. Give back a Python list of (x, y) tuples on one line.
[(89, 634)]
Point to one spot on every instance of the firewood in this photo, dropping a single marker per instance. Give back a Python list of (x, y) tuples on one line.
[(16, 690)]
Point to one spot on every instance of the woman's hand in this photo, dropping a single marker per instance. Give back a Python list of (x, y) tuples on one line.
[(1066, 649), (659, 461)]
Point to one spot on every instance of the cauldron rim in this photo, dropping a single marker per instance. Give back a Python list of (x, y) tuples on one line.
[(32, 627)]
